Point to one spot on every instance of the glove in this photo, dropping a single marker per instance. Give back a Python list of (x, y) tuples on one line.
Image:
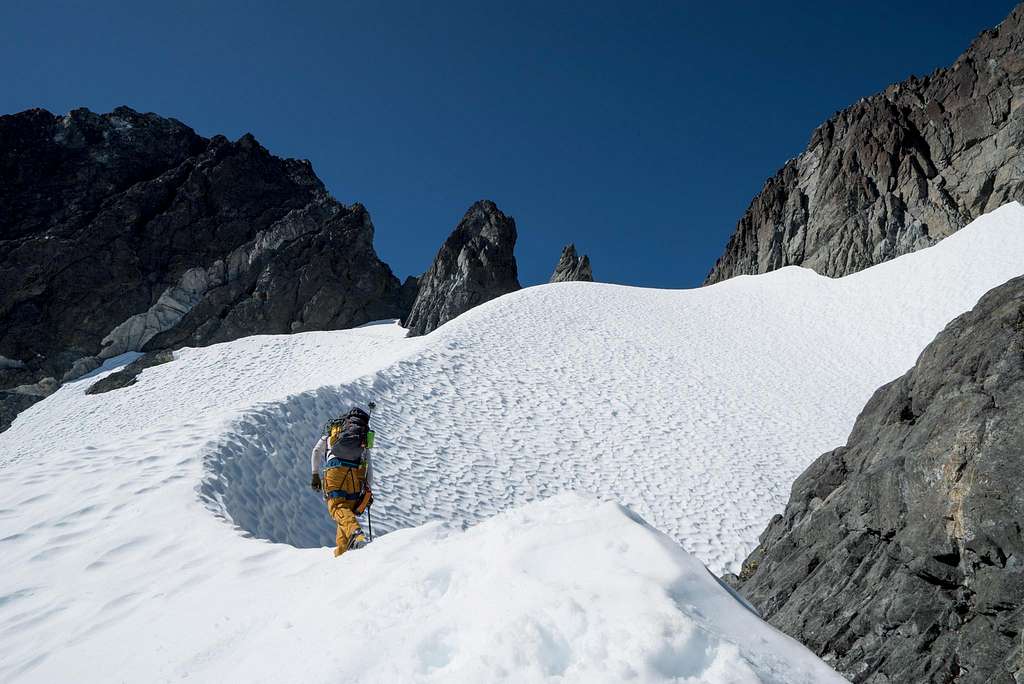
[(364, 503), (315, 484)]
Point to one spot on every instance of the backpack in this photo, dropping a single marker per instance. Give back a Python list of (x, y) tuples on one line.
[(345, 468), (348, 435)]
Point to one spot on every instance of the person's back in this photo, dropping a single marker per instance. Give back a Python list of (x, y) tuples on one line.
[(347, 475)]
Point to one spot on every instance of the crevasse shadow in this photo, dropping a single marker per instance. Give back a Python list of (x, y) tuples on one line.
[(257, 477)]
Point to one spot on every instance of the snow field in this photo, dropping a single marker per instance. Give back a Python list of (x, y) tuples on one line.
[(696, 409)]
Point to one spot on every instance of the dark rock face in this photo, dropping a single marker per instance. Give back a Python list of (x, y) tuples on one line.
[(475, 264), (900, 556), (897, 171), (13, 403), (130, 232), (572, 267)]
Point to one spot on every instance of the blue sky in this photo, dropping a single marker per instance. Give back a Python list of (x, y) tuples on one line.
[(639, 131)]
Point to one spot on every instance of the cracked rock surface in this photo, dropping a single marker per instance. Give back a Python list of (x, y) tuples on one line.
[(474, 265), (130, 232), (897, 171), (900, 556)]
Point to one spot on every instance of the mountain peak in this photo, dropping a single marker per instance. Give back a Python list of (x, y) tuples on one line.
[(896, 171), (475, 264)]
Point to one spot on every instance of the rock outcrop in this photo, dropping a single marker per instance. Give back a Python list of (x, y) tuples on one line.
[(130, 232), (129, 374), (572, 267), (897, 171), (900, 556), (476, 264), (14, 402)]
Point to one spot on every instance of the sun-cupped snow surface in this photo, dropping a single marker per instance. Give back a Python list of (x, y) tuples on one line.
[(697, 408), (120, 513)]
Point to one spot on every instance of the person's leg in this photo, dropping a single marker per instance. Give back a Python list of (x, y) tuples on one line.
[(349, 530)]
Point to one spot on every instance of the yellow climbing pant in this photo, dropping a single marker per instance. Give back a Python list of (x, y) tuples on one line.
[(348, 525), (349, 482)]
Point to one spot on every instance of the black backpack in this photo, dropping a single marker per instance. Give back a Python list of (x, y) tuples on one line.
[(347, 434)]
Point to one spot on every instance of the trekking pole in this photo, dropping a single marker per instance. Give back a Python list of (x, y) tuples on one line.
[(369, 520)]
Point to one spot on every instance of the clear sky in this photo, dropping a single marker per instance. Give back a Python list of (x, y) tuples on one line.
[(638, 130)]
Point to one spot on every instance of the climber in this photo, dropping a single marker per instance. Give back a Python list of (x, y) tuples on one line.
[(342, 450)]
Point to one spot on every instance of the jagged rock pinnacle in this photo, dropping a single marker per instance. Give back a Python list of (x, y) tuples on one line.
[(572, 267)]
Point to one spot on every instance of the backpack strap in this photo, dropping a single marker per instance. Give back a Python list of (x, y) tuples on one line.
[(336, 462)]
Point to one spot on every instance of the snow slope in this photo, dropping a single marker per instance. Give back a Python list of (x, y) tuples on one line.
[(695, 408)]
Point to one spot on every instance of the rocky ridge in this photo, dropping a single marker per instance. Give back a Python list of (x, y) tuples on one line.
[(572, 267), (900, 556), (896, 171), (475, 264), (130, 232)]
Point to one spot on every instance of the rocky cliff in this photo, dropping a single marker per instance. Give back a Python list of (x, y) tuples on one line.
[(897, 171), (900, 556), (570, 266), (130, 232), (475, 264)]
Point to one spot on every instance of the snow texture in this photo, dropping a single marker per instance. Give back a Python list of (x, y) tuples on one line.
[(136, 526)]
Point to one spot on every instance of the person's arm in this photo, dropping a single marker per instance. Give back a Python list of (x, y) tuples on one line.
[(318, 454)]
